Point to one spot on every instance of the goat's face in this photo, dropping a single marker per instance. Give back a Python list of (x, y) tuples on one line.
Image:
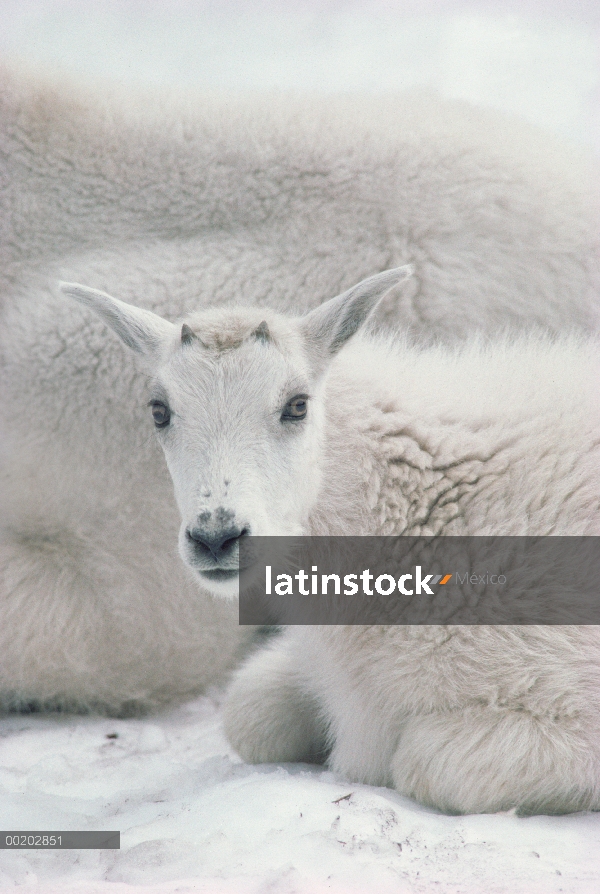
[(237, 404), (239, 417)]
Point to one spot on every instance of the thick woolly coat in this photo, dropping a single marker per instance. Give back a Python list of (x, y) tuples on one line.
[(498, 440), (178, 203)]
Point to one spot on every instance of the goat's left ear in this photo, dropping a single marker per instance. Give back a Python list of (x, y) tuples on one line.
[(141, 330), (329, 326)]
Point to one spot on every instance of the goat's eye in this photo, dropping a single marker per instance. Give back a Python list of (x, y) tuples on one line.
[(160, 413), (295, 408)]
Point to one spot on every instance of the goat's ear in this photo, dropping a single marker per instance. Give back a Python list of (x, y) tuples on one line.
[(329, 326), (141, 330)]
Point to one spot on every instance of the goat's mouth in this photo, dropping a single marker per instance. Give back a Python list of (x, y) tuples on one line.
[(219, 574), (227, 582)]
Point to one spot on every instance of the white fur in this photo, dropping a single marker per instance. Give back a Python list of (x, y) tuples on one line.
[(174, 203), (182, 203), (487, 440), (496, 439)]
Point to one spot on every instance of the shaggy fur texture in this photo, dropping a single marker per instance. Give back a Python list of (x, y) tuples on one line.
[(495, 439), (198, 202), (485, 440), (174, 203)]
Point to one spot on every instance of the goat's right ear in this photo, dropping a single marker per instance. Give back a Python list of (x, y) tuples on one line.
[(141, 330)]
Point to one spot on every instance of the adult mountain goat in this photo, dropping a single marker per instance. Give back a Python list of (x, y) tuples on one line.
[(178, 203), (273, 425)]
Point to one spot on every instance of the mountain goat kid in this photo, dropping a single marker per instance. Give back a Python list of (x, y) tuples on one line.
[(180, 202), (274, 425)]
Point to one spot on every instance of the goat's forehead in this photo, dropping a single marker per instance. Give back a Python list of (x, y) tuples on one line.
[(224, 329), (232, 356)]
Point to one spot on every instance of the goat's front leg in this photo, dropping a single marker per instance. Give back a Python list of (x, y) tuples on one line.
[(269, 715)]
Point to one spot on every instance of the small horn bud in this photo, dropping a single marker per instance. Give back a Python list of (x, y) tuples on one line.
[(188, 335), (262, 332)]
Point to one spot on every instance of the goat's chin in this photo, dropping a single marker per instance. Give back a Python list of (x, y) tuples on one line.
[(225, 585)]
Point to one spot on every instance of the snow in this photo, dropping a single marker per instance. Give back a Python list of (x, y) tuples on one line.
[(193, 817)]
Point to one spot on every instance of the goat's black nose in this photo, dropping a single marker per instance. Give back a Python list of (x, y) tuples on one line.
[(218, 544)]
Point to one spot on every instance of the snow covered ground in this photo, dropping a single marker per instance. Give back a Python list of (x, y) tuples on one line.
[(192, 817)]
